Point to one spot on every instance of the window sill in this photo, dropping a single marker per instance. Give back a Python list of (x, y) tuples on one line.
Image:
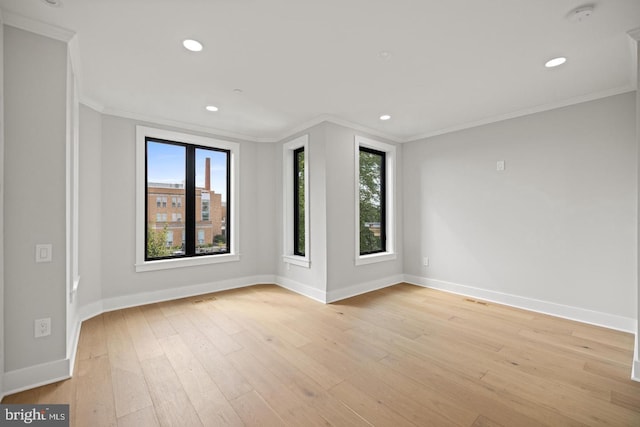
[(165, 264), (297, 260), (373, 258)]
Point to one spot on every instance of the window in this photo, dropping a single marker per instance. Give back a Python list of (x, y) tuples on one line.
[(205, 206), (372, 201), (375, 205), (170, 167), (298, 202), (296, 211)]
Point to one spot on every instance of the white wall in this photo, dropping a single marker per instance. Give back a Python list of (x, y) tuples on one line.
[(34, 175), (333, 274), (344, 277), (558, 225), (121, 285), (90, 209), (311, 281)]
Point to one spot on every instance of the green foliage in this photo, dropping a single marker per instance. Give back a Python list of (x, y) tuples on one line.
[(300, 244), (370, 200), (368, 241), (220, 239), (157, 242)]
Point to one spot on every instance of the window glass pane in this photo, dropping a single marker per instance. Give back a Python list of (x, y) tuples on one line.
[(211, 201), (165, 183), (372, 212), (298, 202)]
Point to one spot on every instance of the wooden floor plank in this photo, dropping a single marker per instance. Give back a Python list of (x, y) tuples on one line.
[(230, 382), (374, 411), (170, 401), (159, 324), (92, 341), (144, 340), (145, 417), (255, 412), (285, 403), (94, 403), (207, 399), (129, 386)]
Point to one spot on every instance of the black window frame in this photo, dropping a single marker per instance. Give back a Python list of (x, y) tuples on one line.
[(190, 221), (383, 198), (296, 205)]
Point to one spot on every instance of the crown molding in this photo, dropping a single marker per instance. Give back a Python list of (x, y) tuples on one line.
[(525, 112), (634, 34), (91, 103), (181, 125), (327, 118), (38, 27)]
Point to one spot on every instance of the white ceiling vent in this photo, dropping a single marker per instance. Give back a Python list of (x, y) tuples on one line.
[(581, 14), (53, 3)]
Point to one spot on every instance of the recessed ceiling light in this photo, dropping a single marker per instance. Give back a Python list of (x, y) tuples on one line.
[(192, 45), (555, 62), (211, 108), (384, 55), (237, 91), (54, 3), (385, 117)]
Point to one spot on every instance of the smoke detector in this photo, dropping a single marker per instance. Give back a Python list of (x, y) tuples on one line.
[(580, 14)]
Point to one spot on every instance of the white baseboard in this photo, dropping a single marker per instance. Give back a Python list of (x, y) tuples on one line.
[(134, 300), (36, 376), (611, 321), (363, 288), (301, 288), (72, 347)]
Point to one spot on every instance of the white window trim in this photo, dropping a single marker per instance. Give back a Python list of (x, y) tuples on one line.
[(287, 190), (142, 132), (72, 173), (390, 151)]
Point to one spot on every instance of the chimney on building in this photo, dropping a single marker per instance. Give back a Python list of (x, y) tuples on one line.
[(207, 174)]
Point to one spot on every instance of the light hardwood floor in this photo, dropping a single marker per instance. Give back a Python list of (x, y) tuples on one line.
[(401, 356)]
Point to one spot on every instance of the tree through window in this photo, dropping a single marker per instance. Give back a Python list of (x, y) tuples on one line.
[(372, 201)]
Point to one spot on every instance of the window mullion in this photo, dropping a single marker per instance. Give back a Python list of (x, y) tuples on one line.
[(190, 201), (383, 201)]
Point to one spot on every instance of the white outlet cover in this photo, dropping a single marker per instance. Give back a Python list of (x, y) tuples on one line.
[(500, 165), (42, 327), (44, 252)]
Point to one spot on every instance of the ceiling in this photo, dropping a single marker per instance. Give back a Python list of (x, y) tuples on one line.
[(274, 66)]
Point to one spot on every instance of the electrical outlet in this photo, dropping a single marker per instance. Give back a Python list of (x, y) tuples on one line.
[(425, 261), (42, 327)]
